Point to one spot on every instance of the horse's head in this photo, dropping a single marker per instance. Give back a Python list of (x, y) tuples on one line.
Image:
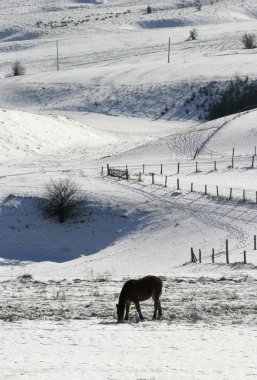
[(120, 311)]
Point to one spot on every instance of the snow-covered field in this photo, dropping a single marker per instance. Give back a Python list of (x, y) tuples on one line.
[(115, 100)]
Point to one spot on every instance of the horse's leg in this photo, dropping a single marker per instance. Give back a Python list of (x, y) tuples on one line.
[(156, 305), (139, 310), (160, 310), (127, 310)]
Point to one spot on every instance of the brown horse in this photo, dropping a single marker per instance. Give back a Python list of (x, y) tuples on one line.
[(140, 290)]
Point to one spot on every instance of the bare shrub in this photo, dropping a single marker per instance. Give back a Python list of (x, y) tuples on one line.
[(61, 200), (248, 40), (18, 69), (193, 34), (25, 278), (198, 7), (148, 9)]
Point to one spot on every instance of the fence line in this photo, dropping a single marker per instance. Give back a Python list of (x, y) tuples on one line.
[(180, 164), (219, 192), (227, 252)]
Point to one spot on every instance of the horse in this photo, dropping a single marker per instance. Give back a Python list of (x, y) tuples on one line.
[(140, 290)]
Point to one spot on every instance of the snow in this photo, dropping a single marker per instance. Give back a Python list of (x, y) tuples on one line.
[(116, 100), (127, 351)]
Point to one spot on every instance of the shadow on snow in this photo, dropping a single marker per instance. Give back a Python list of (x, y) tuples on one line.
[(27, 236)]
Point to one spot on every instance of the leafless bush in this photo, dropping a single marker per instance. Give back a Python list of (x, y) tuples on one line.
[(18, 69), (61, 199), (198, 6), (248, 40), (25, 278), (148, 9), (193, 34)]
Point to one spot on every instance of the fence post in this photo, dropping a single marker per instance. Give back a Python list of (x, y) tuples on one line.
[(233, 155), (256, 196), (255, 150), (200, 256), (127, 173), (244, 257), (217, 190), (227, 255), (212, 256), (165, 181), (152, 178), (215, 165), (192, 187), (139, 177), (161, 168), (178, 168), (177, 183), (143, 168), (205, 189), (102, 171), (196, 167), (108, 169), (193, 257), (254, 242), (252, 161), (243, 195), (230, 193)]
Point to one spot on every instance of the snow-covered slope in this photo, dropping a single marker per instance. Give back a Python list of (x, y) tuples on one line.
[(116, 100)]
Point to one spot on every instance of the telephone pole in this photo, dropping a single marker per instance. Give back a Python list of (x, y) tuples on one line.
[(169, 51), (57, 56)]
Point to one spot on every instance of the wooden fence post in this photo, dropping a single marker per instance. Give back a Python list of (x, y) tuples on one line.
[(108, 169), (230, 193), (165, 181), (254, 242), (139, 177), (102, 171), (161, 168), (255, 150), (196, 167), (177, 183), (243, 195), (244, 257), (193, 257), (233, 155), (227, 254), (127, 173), (200, 256), (215, 165), (192, 187), (152, 178), (178, 168), (212, 256), (217, 190), (143, 168), (252, 162), (205, 189)]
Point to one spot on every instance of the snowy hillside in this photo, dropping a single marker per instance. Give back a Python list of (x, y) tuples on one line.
[(116, 101)]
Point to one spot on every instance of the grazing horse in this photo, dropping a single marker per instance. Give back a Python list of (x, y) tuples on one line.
[(140, 290)]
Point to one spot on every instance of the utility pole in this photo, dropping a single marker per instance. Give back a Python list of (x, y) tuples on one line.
[(57, 56), (169, 51)]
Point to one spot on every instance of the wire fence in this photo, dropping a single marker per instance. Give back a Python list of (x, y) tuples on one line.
[(158, 175), (227, 256)]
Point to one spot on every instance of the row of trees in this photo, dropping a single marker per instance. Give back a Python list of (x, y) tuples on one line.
[(239, 95)]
